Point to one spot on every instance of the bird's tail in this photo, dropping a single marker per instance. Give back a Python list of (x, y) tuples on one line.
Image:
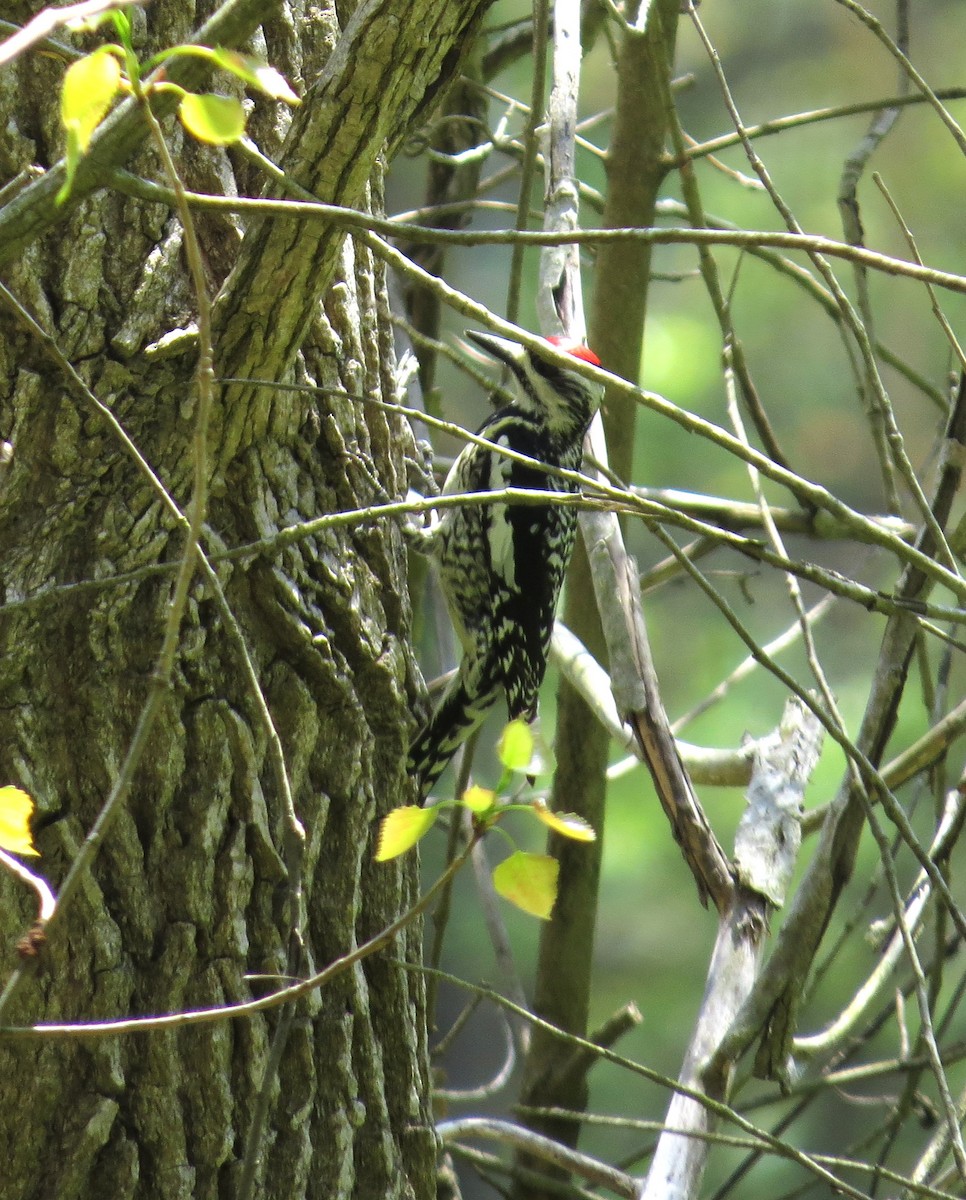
[(461, 710)]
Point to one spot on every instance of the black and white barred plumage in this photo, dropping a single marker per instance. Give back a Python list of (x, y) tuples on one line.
[(502, 566)]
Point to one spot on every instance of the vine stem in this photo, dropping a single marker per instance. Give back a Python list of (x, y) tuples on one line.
[(295, 991), (166, 656)]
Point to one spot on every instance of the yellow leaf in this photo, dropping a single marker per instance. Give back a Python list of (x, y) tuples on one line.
[(16, 808), (217, 120), (478, 800), (88, 91), (401, 829), (529, 881), (568, 825), (257, 74), (515, 747)]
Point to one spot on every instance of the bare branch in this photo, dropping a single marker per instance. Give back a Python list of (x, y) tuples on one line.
[(766, 858)]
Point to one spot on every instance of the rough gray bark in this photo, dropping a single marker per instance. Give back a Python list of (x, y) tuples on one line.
[(189, 892)]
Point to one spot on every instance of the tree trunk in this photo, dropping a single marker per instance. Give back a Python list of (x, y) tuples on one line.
[(190, 892)]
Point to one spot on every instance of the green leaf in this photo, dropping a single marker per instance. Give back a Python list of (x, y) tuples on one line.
[(515, 747), (401, 829), (16, 809), (218, 120), (478, 800), (88, 91), (257, 74), (568, 825), (529, 881), (122, 26)]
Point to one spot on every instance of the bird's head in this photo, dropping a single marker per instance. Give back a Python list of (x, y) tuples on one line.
[(563, 399)]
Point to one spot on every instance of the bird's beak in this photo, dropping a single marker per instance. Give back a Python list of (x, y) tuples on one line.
[(509, 352)]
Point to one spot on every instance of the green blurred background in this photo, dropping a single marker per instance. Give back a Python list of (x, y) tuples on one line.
[(781, 57)]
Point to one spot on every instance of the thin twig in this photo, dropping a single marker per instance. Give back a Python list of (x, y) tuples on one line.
[(872, 778), (844, 1025), (914, 251), (528, 167), (882, 123), (910, 71), (357, 219), (46, 900), (543, 1148), (814, 116), (247, 1008), (851, 318), (186, 567), (40, 27)]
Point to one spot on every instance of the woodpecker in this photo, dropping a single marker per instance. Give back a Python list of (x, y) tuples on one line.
[(501, 566)]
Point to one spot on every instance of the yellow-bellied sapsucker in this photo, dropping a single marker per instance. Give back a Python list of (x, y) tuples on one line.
[(501, 565)]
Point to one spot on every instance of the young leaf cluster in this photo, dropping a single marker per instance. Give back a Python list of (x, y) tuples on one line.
[(527, 880), (93, 83)]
